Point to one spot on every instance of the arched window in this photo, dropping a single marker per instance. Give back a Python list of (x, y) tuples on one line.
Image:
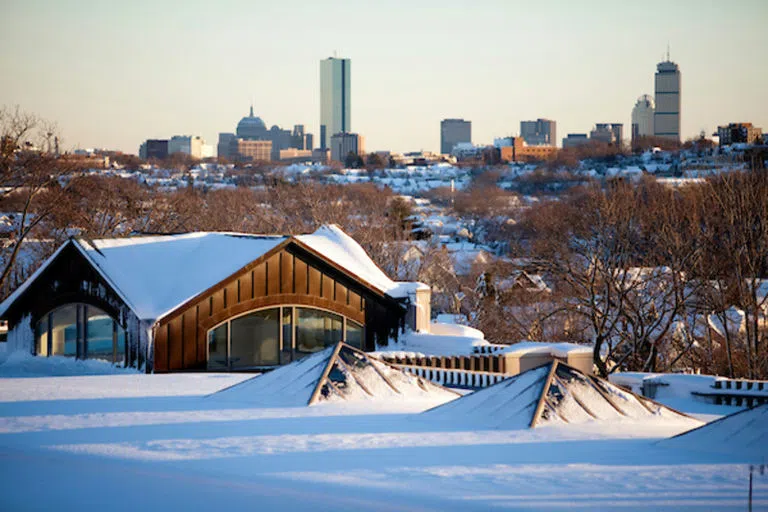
[(81, 331), (275, 336)]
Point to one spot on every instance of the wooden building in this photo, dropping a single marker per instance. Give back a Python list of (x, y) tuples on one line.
[(210, 301)]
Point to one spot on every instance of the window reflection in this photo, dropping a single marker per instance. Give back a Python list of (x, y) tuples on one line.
[(80, 330), (255, 339), (316, 330), (217, 348), (354, 334)]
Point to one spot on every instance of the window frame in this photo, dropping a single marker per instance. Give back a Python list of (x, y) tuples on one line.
[(283, 359)]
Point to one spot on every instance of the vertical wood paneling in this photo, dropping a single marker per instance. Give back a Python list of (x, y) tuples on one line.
[(301, 277), (161, 349), (260, 277), (273, 275), (327, 287), (175, 356), (314, 282), (355, 300), (218, 302), (287, 273), (190, 339)]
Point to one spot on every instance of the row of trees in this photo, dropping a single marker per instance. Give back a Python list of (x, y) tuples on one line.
[(656, 278)]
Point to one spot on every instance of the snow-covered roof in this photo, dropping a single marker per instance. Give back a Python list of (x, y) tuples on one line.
[(540, 347), (156, 274), (337, 246)]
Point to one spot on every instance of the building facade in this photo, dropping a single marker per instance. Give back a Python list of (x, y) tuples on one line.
[(189, 145), (666, 118), (735, 133), (575, 139), (155, 149), (642, 117), (519, 151), (453, 132), (225, 146), (335, 99), (541, 132), (342, 144), (252, 150), (608, 133), (257, 302)]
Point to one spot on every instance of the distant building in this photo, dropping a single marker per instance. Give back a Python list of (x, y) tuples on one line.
[(642, 117), (300, 139), (519, 151), (251, 128), (322, 156), (609, 133), (335, 98), (189, 145), (295, 155), (541, 132), (452, 132), (666, 118), (342, 144), (575, 139), (253, 150), (735, 133), (281, 139), (225, 146), (154, 149)]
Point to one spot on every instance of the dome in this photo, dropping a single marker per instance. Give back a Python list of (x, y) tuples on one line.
[(251, 127)]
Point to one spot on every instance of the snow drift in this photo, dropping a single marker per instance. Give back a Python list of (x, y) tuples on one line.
[(554, 393), (337, 374), (744, 433)]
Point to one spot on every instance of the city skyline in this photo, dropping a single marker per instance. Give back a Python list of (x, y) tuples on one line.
[(115, 75)]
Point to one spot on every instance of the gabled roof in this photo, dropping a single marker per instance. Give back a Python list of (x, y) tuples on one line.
[(154, 275), (337, 374), (550, 394)]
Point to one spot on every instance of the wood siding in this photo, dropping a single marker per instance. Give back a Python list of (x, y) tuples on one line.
[(289, 276)]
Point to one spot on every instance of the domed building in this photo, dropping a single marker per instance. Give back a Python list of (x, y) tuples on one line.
[(252, 128)]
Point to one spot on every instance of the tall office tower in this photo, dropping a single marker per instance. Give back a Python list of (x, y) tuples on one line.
[(642, 117), (452, 132), (541, 132), (335, 104), (666, 119)]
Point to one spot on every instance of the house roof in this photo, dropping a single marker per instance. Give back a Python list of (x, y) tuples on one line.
[(154, 275)]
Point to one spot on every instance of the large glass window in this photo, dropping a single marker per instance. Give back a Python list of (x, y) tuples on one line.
[(355, 334), (270, 337), (255, 339), (217, 348), (316, 329), (80, 330)]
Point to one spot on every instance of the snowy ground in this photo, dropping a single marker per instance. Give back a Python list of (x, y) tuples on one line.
[(146, 442)]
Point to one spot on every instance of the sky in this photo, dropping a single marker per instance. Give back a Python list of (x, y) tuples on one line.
[(114, 73)]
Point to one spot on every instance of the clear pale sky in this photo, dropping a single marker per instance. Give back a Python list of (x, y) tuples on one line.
[(113, 73)]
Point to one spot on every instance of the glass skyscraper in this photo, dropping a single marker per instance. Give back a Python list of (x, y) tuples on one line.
[(335, 111)]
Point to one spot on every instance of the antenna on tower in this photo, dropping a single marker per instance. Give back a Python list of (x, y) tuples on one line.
[(668, 52)]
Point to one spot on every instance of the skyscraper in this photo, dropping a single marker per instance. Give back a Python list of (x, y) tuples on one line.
[(642, 117), (452, 132), (666, 119), (335, 107), (541, 132)]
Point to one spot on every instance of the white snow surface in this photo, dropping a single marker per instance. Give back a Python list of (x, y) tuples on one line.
[(366, 379), (459, 344), (133, 442), (744, 432), (339, 247)]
